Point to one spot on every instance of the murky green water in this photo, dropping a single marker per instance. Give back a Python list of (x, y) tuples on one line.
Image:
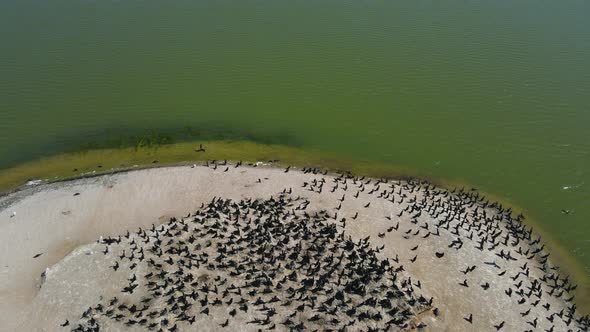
[(496, 93)]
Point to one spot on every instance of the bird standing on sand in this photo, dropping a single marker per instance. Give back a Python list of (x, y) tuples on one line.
[(499, 326), (237, 234), (469, 318)]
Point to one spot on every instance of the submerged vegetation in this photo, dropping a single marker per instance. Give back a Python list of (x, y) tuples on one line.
[(151, 139), (147, 151)]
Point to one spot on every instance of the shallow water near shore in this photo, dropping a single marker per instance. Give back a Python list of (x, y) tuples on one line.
[(493, 94)]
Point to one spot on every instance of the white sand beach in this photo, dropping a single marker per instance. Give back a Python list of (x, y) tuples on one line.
[(433, 233)]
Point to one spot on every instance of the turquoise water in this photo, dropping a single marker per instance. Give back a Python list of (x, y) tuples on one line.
[(495, 93)]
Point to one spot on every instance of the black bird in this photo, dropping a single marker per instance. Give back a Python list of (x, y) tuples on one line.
[(492, 264), (464, 283), (469, 318), (435, 311), (533, 323), (499, 326), (200, 149), (439, 254), (468, 269), (129, 289), (508, 292), (37, 255), (315, 318), (66, 323), (485, 286), (225, 324)]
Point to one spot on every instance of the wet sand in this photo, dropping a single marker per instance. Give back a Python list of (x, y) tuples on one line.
[(63, 222)]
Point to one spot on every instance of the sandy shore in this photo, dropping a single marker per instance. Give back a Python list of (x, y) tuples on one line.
[(434, 234)]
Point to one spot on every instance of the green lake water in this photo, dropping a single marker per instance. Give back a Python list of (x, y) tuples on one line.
[(493, 93)]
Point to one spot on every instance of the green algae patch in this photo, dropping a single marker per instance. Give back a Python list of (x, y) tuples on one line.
[(103, 161)]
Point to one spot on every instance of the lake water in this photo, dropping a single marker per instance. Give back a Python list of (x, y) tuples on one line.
[(494, 93)]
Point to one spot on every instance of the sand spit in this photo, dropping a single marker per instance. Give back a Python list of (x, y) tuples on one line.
[(245, 248)]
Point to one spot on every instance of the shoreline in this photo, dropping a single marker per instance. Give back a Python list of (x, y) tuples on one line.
[(571, 266)]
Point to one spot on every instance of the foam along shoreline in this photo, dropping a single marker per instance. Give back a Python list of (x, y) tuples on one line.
[(467, 264)]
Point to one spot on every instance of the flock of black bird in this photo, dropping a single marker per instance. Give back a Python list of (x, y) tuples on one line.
[(275, 264), (255, 258)]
